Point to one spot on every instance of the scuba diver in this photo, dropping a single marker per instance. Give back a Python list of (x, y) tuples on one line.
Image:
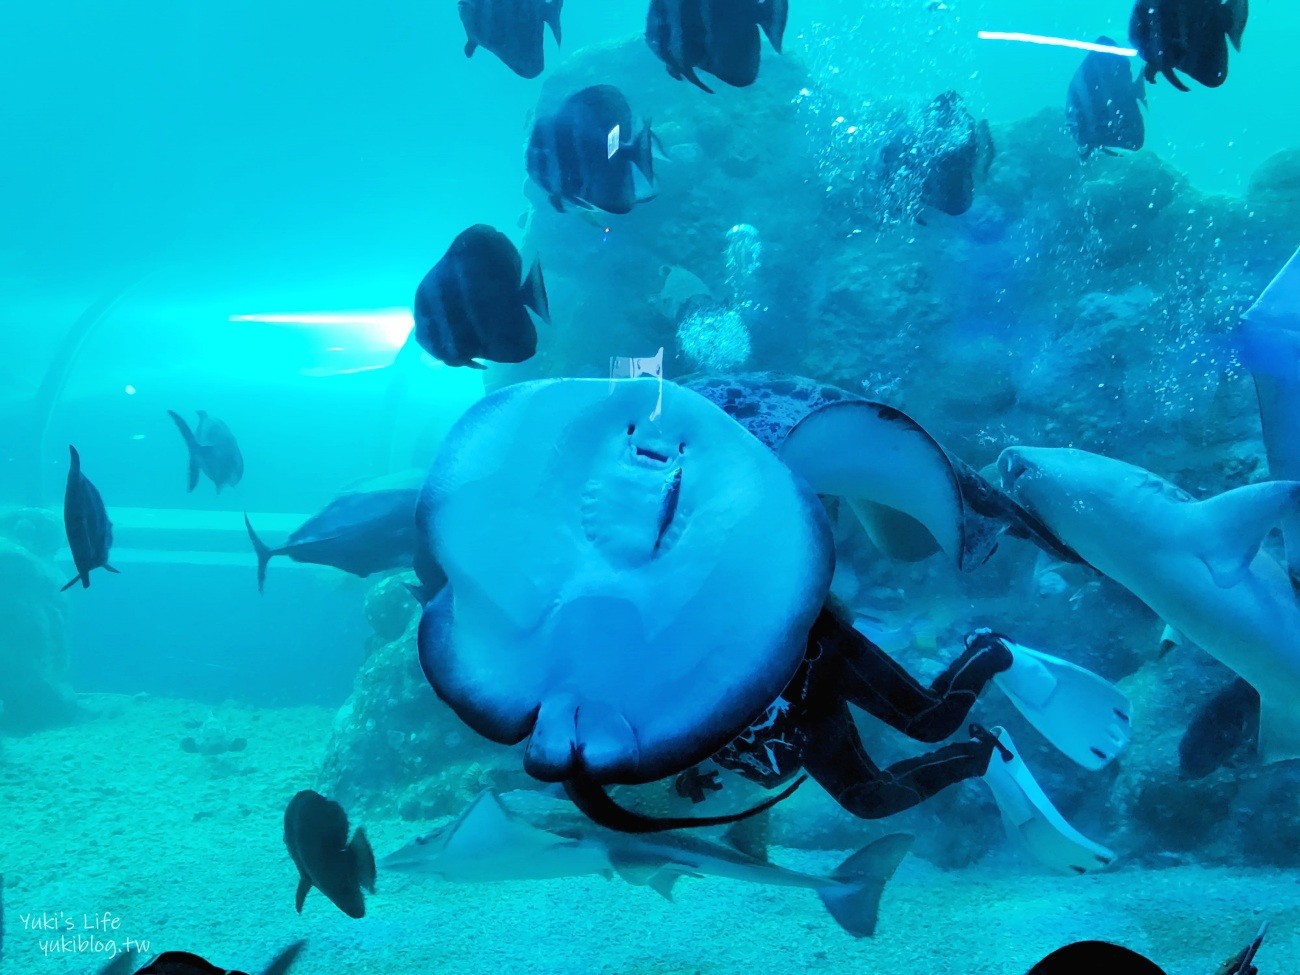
[(809, 727)]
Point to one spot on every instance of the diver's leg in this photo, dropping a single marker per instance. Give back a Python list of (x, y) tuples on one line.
[(877, 683), (837, 760)]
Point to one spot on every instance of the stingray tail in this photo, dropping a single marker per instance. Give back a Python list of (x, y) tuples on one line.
[(853, 897), (264, 552), (595, 803), (191, 444)]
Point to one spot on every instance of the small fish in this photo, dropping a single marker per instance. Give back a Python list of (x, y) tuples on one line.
[(1190, 36), (186, 963), (471, 305), (1101, 106), (1243, 962), (1224, 724), (90, 533), (488, 844), (364, 530), (720, 37), (681, 292), (586, 153), (898, 634), (213, 450), (510, 29), (316, 835), (686, 153)]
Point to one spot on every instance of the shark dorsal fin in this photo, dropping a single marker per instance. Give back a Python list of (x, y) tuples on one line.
[(1278, 303), (637, 870), (749, 836), (485, 815), (1235, 523)]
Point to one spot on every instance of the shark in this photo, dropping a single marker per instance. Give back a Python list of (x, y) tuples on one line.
[(1198, 565), (488, 843)]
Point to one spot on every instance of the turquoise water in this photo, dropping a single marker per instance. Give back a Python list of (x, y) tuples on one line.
[(227, 206)]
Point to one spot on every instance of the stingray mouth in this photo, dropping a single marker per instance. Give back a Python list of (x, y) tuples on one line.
[(651, 455)]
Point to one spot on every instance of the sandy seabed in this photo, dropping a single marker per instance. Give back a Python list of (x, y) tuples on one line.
[(111, 827)]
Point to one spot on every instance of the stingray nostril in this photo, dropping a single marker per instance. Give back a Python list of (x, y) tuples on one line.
[(631, 429), (681, 447)]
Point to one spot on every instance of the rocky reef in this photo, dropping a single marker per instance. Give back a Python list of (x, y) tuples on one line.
[(395, 747), (1077, 303), (34, 687)]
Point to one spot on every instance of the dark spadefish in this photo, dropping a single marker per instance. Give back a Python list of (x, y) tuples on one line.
[(471, 305), (1101, 106), (1113, 959), (720, 37), (586, 153), (933, 159), (1220, 728), (1096, 956), (90, 533), (213, 451), (511, 29), (1190, 36), (187, 963), (316, 835), (365, 530)]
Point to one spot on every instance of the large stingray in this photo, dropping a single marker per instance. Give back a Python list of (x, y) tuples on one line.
[(625, 594), (1196, 564), (912, 496), (1269, 337)]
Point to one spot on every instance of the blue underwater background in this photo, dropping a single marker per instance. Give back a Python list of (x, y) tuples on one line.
[(226, 205)]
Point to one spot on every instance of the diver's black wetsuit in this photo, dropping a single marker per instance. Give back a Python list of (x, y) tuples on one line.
[(810, 727)]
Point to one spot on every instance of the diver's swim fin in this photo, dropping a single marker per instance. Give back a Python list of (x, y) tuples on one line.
[(1030, 817), (1083, 715)]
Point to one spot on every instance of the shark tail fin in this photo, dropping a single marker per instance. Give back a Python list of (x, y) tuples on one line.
[(282, 962), (264, 552), (853, 897), (1237, 522), (364, 857), (195, 449)]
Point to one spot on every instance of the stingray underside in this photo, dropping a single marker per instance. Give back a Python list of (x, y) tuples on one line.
[(624, 593)]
